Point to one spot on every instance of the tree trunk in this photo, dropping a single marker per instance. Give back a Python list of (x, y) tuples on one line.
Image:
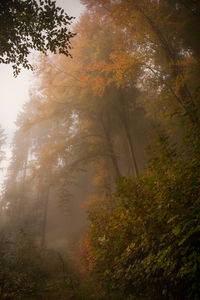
[(107, 134), (123, 116), (44, 218)]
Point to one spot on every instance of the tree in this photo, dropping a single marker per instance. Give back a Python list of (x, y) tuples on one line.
[(2, 141), (152, 226), (94, 89), (167, 50), (32, 24)]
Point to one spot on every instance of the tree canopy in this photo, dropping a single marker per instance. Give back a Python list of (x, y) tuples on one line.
[(32, 24)]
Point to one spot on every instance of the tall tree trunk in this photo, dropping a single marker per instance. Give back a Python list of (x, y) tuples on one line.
[(106, 128), (44, 217), (124, 119), (23, 187)]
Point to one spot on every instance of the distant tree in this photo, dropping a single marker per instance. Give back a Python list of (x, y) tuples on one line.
[(32, 24), (2, 141)]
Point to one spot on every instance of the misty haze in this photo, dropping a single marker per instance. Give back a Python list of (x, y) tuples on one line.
[(100, 150)]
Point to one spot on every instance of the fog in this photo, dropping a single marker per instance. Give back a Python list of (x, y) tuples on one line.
[(99, 151)]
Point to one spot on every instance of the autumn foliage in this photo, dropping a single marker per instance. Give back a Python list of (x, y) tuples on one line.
[(117, 127)]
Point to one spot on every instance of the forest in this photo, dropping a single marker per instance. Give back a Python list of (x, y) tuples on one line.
[(102, 195)]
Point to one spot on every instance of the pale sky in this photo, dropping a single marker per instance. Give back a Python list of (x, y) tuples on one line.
[(14, 91)]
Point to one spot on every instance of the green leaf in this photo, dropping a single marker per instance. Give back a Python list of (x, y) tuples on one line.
[(176, 230)]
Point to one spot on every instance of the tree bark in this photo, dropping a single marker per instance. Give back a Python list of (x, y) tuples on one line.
[(108, 138), (124, 120), (44, 219)]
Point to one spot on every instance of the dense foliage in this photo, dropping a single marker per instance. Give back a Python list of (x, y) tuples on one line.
[(31, 24), (152, 227), (27, 272)]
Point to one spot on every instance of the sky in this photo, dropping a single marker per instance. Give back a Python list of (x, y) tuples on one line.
[(15, 91)]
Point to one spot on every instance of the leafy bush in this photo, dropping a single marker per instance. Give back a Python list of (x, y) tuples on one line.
[(145, 240), (29, 272)]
